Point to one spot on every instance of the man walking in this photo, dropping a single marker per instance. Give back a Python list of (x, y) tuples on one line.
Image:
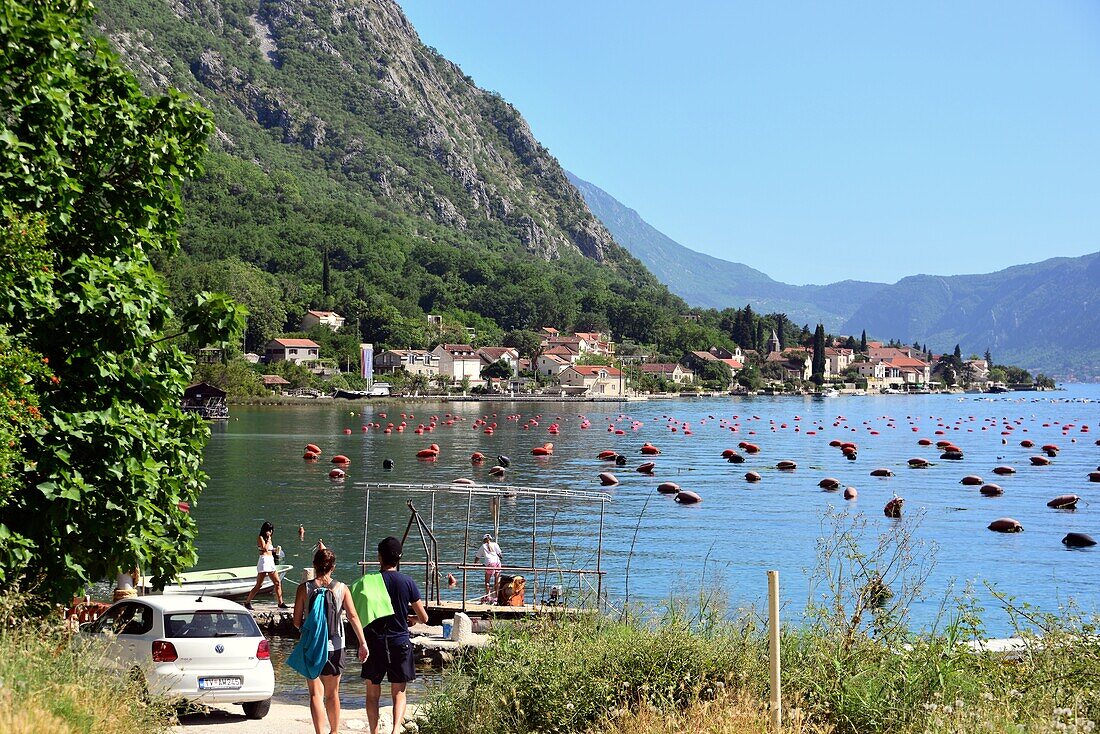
[(390, 654)]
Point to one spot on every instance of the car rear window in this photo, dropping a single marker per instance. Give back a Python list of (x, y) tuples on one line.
[(210, 624)]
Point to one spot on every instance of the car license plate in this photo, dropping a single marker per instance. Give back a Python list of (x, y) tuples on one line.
[(224, 683)]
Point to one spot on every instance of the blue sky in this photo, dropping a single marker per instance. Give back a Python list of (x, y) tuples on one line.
[(814, 141)]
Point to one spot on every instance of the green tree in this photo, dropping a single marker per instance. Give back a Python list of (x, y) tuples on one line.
[(245, 283), (958, 353), (817, 370), (715, 372), (499, 370), (863, 342), (109, 480)]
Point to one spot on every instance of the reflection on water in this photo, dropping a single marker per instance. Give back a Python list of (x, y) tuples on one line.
[(740, 530)]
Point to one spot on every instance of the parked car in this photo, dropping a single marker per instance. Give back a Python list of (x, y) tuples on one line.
[(202, 649)]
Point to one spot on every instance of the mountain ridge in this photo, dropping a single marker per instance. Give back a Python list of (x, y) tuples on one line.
[(711, 282), (1009, 311)]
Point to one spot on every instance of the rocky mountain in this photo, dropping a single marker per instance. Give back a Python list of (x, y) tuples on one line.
[(1043, 316), (356, 169), (336, 79), (711, 282)]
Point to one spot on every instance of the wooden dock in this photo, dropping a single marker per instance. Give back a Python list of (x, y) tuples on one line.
[(445, 609)]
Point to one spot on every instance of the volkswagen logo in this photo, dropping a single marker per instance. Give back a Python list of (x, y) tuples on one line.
[(219, 648)]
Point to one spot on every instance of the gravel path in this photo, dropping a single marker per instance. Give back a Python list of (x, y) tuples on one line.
[(284, 718)]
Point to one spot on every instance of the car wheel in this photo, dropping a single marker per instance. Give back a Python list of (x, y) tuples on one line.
[(256, 709)]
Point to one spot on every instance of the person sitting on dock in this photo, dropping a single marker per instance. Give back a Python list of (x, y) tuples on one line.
[(390, 653), (490, 554)]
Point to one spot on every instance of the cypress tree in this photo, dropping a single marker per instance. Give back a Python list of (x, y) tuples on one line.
[(958, 353), (863, 342), (818, 369)]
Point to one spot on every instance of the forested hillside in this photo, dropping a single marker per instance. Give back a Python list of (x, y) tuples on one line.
[(353, 168), (1043, 316)]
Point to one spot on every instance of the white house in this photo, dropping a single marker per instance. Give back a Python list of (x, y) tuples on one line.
[(413, 361), (459, 361), (551, 365), (580, 379), (331, 319), (673, 372), (491, 355), (292, 350)]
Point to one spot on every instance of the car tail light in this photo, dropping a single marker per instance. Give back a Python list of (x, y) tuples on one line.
[(263, 650), (164, 652)]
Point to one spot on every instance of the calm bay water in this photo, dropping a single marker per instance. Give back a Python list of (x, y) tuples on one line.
[(740, 530)]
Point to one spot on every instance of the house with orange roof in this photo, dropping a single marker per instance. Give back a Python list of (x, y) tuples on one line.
[(551, 365), (297, 351), (592, 380)]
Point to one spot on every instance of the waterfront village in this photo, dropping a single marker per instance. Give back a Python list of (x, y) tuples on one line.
[(590, 365)]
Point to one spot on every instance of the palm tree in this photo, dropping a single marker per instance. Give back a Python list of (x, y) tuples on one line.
[(418, 382)]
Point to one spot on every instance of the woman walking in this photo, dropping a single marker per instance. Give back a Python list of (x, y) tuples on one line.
[(324, 689), (266, 566)]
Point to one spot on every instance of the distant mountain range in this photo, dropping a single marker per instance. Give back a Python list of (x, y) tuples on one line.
[(1043, 316), (707, 281)]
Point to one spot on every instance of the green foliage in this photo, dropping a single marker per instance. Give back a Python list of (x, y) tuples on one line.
[(853, 668), (497, 370), (259, 292), (715, 373), (100, 164), (565, 675), (237, 377)]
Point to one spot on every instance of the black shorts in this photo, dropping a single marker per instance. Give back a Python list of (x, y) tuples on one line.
[(335, 663), (389, 659)]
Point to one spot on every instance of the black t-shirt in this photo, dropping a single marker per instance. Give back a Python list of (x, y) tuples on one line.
[(403, 592)]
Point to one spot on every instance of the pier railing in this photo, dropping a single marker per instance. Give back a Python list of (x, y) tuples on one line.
[(493, 492)]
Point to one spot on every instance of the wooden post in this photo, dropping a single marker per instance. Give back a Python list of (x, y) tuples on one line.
[(775, 702)]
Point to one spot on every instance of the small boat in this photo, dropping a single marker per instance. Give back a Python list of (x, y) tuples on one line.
[(223, 582)]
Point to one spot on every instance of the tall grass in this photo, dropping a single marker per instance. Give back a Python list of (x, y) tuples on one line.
[(850, 666), (49, 685)]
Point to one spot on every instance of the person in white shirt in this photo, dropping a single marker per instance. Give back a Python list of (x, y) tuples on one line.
[(490, 554)]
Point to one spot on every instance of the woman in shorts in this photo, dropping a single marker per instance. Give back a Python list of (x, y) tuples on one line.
[(324, 691)]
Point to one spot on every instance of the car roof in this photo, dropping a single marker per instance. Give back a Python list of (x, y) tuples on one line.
[(169, 603)]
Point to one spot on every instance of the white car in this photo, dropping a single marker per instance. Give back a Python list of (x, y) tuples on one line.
[(202, 649)]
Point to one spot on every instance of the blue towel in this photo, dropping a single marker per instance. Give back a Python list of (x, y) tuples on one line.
[(311, 652)]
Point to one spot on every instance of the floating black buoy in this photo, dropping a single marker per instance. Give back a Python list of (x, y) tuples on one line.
[(504, 461), (387, 464), (1078, 540), (620, 460)]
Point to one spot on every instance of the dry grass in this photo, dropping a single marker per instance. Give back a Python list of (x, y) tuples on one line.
[(724, 715), (49, 685)]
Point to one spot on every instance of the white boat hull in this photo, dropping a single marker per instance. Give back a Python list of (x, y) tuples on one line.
[(224, 582)]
